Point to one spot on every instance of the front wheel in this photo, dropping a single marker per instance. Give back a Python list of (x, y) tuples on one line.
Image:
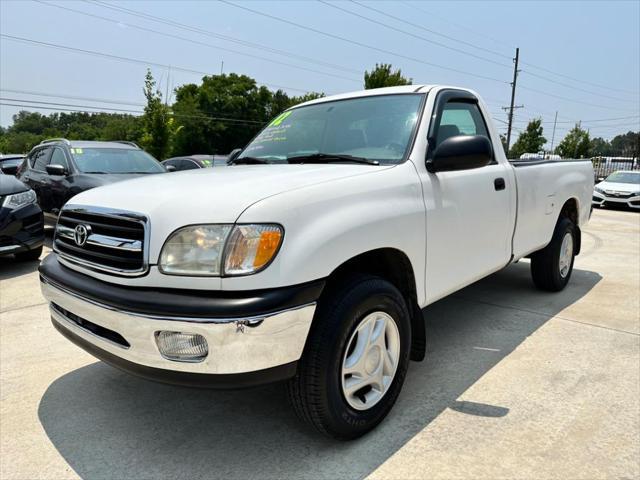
[(355, 360), (551, 267)]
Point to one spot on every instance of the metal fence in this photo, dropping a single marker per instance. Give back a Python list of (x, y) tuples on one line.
[(604, 166)]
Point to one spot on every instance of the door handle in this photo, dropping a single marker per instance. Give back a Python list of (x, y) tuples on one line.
[(499, 184)]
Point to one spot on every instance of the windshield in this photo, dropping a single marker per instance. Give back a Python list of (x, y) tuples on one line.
[(624, 177), (115, 160), (376, 128)]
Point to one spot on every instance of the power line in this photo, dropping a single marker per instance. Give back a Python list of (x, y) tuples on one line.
[(433, 32), (626, 100), (196, 42), (359, 44), (71, 97), (596, 120), (458, 50), (573, 100), (100, 100), (607, 87), (463, 27), (386, 25), (99, 109), (191, 28), (528, 64), (126, 59)]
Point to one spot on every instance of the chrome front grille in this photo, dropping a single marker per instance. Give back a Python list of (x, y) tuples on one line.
[(101, 239)]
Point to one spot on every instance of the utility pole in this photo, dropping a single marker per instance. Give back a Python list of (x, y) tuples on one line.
[(553, 136), (221, 67), (166, 96), (513, 97)]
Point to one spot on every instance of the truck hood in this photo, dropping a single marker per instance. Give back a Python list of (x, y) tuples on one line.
[(211, 195), (619, 187)]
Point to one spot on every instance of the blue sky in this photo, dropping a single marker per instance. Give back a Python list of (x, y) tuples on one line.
[(579, 58)]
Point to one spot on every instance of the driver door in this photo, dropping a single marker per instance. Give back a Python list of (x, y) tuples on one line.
[(469, 212)]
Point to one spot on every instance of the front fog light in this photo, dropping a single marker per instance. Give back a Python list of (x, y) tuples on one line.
[(182, 347)]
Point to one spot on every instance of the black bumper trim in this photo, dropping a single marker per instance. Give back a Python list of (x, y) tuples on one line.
[(184, 379), (166, 302)]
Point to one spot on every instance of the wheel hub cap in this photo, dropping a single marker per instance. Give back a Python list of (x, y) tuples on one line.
[(371, 359), (566, 255)]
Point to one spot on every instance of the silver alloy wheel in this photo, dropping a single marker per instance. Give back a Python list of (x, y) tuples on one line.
[(370, 360), (566, 254)]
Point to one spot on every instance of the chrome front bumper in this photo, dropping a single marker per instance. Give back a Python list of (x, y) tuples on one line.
[(236, 346)]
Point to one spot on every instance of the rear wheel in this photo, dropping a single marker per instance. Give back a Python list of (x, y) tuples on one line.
[(355, 360), (29, 255), (552, 266)]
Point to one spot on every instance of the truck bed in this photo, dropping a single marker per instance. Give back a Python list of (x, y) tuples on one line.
[(544, 186)]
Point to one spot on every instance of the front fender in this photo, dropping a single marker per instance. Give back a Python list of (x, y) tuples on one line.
[(329, 223)]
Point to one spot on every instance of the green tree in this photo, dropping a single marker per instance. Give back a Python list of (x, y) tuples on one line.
[(626, 145), (225, 112), (382, 76), (158, 124), (529, 141), (600, 147), (576, 144), (18, 142)]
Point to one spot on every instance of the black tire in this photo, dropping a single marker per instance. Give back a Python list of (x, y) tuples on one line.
[(316, 390), (545, 263), (29, 255)]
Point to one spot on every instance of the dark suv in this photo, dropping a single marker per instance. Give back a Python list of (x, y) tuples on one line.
[(57, 169)]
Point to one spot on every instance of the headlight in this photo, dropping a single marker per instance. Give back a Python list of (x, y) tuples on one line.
[(251, 248), (194, 250), (18, 200), (599, 190), (215, 250)]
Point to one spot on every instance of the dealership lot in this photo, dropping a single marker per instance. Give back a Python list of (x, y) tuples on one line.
[(517, 383)]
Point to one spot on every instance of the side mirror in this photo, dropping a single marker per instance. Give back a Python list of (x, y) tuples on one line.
[(461, 152), (10, 169), (170, 168), (234, 153), (56, 169)]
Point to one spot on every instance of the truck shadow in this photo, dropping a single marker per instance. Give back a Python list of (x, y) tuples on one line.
[(108, 424)]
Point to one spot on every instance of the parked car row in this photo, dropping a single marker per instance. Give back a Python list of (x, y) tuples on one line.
[(58, 169)]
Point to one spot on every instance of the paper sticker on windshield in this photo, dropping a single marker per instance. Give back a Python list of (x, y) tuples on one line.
[(280, 118), (76, 151)]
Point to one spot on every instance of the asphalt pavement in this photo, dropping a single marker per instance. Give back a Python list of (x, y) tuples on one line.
[(517, 383)]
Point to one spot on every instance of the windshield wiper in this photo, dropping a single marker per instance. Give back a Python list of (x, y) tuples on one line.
[(105, 173), (330, 158), (247, 161)]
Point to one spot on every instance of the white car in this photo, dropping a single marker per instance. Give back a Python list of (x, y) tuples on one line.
[(620, 188), (310, 258)]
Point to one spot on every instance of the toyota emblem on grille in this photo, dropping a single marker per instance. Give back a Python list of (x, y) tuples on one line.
[(81, 233)]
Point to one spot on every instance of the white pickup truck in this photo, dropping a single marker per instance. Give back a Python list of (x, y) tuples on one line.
[(310, 257)]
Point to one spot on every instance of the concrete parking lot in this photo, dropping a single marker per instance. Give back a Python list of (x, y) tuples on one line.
[(517, 384)]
